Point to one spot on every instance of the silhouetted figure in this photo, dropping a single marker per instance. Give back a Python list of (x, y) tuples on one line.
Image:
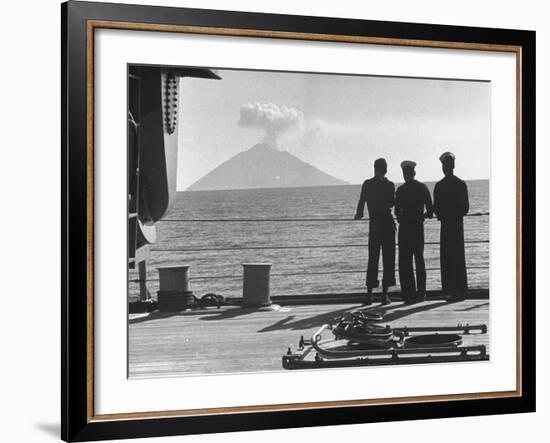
[(411, 199), (451, 205), (379, 195)]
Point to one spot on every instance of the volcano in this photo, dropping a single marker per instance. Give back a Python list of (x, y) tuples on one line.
[(264, 167)]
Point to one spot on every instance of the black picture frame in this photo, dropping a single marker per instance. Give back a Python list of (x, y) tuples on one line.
[(77, 419)]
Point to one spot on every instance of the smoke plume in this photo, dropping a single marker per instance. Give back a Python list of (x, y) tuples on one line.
[(273, 119)]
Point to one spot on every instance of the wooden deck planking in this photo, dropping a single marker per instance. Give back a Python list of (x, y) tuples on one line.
[(232, 339)]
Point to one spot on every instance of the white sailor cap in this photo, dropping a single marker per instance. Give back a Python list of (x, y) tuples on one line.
[(446, 156), (408, 164)]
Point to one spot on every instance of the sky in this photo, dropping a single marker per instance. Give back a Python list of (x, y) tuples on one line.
[(338, 123)]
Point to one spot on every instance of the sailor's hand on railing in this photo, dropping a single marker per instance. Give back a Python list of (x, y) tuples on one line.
[(429, 215), (357, 217)]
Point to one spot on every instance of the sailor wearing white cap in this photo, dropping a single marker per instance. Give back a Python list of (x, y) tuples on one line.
[(412, 199), (451, 205), (408, 164)]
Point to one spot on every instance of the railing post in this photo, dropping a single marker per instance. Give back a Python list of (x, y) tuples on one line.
[(174, 293), (256, 291)]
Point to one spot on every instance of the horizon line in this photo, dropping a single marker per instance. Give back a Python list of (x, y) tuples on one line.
[(313, 186)]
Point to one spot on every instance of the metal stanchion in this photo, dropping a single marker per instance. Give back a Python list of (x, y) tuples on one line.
[(256, 292), (174, 293)]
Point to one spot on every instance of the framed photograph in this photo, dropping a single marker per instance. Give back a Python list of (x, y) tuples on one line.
[(276, 221)]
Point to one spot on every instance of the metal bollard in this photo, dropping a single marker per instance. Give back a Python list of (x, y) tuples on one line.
[(174, 293), (256, 285)]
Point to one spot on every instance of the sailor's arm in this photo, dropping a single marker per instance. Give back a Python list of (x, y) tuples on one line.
[(391, 196), (437, 203), (361, 204), (466, 205), (398, 205)]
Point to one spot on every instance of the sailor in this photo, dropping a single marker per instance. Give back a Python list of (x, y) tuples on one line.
[(451, 205), (379, 194), (413, 204)]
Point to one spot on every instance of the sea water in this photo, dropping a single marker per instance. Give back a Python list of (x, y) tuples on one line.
[(321, 249)]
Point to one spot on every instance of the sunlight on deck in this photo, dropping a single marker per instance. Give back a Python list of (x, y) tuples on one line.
[(233, 339)]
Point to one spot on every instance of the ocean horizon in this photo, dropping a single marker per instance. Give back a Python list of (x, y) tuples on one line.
[(397, 184)]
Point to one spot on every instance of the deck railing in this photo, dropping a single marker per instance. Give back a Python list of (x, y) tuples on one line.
[(283, 247)]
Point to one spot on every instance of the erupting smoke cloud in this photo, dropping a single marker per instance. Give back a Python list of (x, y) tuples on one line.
[(275, 120)]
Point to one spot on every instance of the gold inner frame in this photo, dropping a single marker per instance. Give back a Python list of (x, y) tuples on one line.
[(92, 25)]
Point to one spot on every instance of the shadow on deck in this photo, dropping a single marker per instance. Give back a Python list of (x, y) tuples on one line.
[(236, 340)]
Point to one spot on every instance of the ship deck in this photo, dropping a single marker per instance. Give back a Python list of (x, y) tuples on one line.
[(232, 339)]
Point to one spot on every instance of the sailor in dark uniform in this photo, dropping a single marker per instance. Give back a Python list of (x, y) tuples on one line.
[(379, 194), (411, 199), (451, 205)]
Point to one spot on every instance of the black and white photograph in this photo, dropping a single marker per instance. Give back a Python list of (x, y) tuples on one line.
[(302, 220), (279, 221)]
